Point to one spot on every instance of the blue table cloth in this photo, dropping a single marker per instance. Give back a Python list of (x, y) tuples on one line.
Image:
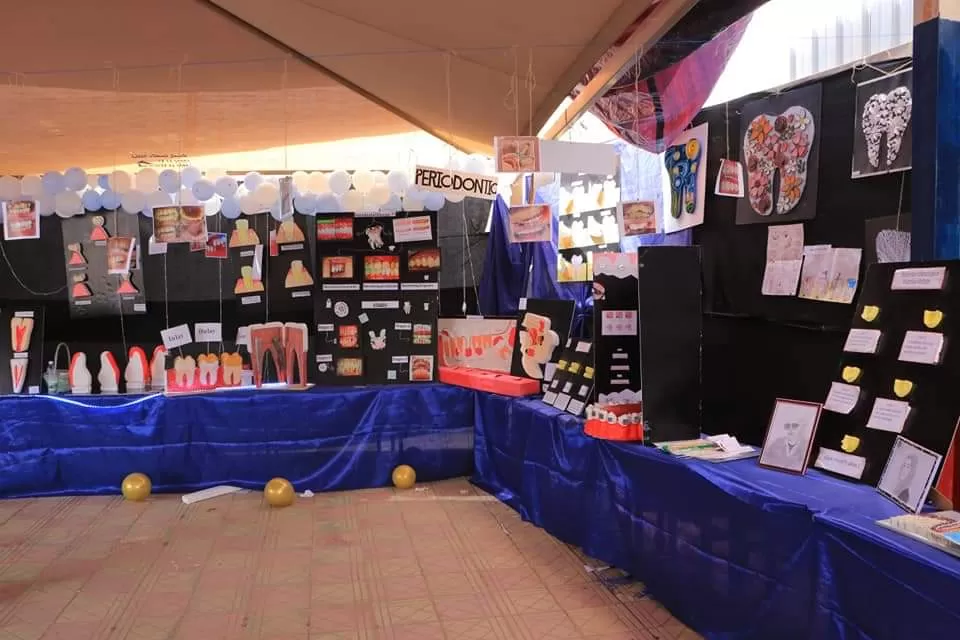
[(322, 439)]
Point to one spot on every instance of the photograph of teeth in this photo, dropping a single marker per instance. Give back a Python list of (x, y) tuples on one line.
[(21, 330)]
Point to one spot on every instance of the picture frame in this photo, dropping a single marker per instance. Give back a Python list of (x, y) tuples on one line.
[(909, 474), (790, 435)]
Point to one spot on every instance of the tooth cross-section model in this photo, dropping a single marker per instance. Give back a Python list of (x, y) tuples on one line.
[(775, 144), (158, 368), (109, 375), (79, 375), (18, 373), (286, 344), (136, 376), (21, 330), (184, 371), (886, 114)]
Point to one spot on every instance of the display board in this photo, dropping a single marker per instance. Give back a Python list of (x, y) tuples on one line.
[(21, 348), (102, 255), (542, 329), (571, 385), (616, 328), (290, 267), (898, 371), (587, 223), (247, 248), (377, 304), (477, 342)]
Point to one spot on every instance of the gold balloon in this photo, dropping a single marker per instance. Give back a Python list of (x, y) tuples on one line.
[(279, 493), (404, 477), (136, 487)]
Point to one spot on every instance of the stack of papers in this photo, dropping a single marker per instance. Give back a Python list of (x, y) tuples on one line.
[(719, 448)]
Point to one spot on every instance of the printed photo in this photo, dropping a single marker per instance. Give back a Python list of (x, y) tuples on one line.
[(530, 223), (638, 218), (909, 474), (790, 435), (337, 267), (187, 223), (216, 246), (119, 252), (21, 220)]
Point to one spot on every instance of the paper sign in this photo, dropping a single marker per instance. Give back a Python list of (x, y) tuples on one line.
[(243, 335), (21, 220), (155, 248), (922, 347), (888, 415), (448, 181), (842, 398), (560, 156), (412, 229), (176, 336), (862, 341), (843, 463), (619, 323), (208, 331), (730, 179), (919, 279)]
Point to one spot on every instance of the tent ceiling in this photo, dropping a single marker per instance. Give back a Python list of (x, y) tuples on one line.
[(89, 83)]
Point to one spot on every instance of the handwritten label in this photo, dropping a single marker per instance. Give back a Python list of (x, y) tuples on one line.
[(575, 407), (82, 303), (324, 357), (292, 247), (208, 331), (844, 464), (583, 347), (341, 287), (33, 389), (391, 374), (919, 279), (23, 314), (562, 401), (140, 307), (842, 398), (380, 304), (402, 326), (155, 248), (862, 341), (400, 359), (176, 336), (380, 286), (888, 415), (247, 253), (922, 347), (419, 286), (250, 300), (243, 336), (324, 327), (21, 356), (522, 305), (300, 294)]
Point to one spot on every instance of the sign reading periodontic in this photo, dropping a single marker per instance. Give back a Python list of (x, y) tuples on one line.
[(448, 181)]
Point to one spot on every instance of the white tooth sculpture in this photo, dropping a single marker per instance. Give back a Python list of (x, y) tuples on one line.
[(109, 375), (158, 368), (775, 144), (886, 114), (209, 365), (136, 375), (184, 368), (79, 375), (18, 373)]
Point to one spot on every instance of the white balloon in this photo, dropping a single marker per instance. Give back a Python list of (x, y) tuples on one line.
[(249, 204), (363, 180), (47, 205), (133, 201), (226, 186), (379, 195), (93, 181), (339, 182), (91, 200), (214, 174), (212, 206), (67, 204), (454, 197), (9, 188), (319, 182), (266, 194), (306, 204), (379, 178), (328, 203), (110, 200), (454, 163), (230, 208), (475, 163), (53, 182), (186, 197), (31, 186), (398, 181), (203, 190), (300, 180), (413, 203), (252, 180), (147, 210), (275, 212), (75, 178), (189, 176), (393, 204), (120, 182), (352, 201), (147, 180), (158, 199), (433, 200), (169, 181)]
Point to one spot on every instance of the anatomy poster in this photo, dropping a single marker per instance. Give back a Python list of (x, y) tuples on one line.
[(290, 266), (588, 223), (686, 164), (780, 151), (98, 283), (542, 329), (883, 131), (21, 348), (477, 343)]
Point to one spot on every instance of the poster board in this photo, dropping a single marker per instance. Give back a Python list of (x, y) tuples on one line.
[(476, 342)]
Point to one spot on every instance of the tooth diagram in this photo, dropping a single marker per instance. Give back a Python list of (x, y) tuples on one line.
[(886, 113), (136, 375), (232, 364), (683, 163), (21, 330), (18, 373), (778, 143), (109, 376)]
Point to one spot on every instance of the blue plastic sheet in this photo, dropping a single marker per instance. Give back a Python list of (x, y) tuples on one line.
[(734, 550), (322, 439)]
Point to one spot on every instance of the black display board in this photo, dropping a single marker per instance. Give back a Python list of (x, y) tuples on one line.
[(934, 402), (290, 267), (883, 125), (15, 325), (571, 386), (377, 302), (616, 327), (543, 327), (93, 291)]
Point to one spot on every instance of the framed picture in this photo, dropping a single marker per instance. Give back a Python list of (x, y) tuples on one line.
[(909, 474), (790, 435)]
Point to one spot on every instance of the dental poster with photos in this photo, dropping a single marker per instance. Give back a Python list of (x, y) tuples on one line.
[(21, 348), (542, 329), (616, 328), (897, 372), (588, 223), (290, 266), (102, 258), (883, 125), (377, 302), (248, 242)]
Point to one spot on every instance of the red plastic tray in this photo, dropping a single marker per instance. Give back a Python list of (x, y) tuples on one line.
[(491, 381)]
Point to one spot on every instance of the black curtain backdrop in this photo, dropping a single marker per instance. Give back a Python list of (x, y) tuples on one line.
[(757, 348)]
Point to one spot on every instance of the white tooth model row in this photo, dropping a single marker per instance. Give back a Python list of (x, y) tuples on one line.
[(138, 375)]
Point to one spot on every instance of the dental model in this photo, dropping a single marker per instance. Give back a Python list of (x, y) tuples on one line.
[(243, 235), (158, 368), (76, 258), (247, 283), (286, 344), (21, 330), (886, 114), (126, 287), (537, 342), (98, 232), (209, 365), (184, 371), (18, 373), (297, 275), (232, 364), (80, 288), (289, 232), (766, 153), (79, 375), (136, 375), (109, 375)]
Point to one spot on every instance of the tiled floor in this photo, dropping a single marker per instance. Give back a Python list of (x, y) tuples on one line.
[(443, 561)]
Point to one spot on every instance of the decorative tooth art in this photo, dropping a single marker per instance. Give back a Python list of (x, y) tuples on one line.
[(778, 144), (886, 114)]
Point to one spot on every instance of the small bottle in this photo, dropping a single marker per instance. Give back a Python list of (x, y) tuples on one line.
[(50, 378)]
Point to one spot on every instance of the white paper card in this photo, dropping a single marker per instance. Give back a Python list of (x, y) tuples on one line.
[(412, 229), (888, 415), (575, 407), (176, 336), (919, 279), (155, 248), (243, 335), (562, 401), (922, 347), (208, 331), (862, 341), (843, 463), (842, 398), (522, 305)]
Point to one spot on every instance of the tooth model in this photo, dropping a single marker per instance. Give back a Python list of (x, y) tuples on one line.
[(137, 373), (158, 368), (266, 339), (247, 283), (232, 366), (78, 375), (209, 364), (21, 329), (297, 276), (243, 235), (295, 343), (18, 373), (289, 232), (109, 375), (184, 370)]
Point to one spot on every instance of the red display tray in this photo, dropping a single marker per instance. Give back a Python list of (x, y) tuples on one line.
[(491, 381)]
